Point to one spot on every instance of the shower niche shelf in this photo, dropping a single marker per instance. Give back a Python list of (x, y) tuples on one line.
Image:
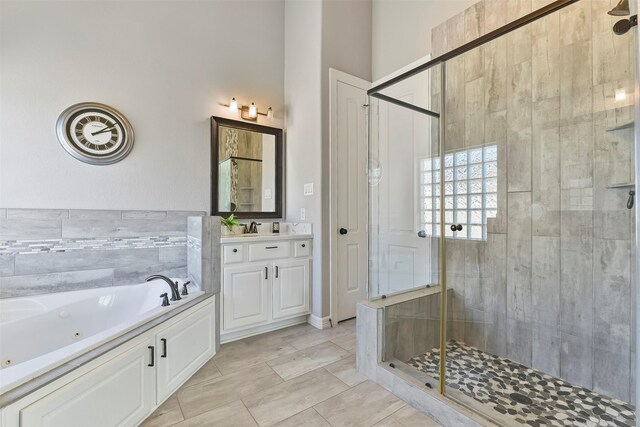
[(622, 185), (628, 125)]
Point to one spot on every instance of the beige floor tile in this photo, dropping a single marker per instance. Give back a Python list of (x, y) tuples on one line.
[(167, 414), (287, 399), (408, 417), (208, 371), (308, 418), (216, 392), (231, 415), (317, 336), (286, 333), (345, 370), (364, 405), (307, 360), (347, 341), (239, 355)]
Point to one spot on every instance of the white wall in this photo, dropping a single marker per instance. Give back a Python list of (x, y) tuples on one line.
[(164, 65), (302, 89), (402, 30)]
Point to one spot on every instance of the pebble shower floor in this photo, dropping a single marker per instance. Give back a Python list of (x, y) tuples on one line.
[(523, 394)]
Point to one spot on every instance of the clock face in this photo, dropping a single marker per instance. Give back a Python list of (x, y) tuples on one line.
[(95, 133)]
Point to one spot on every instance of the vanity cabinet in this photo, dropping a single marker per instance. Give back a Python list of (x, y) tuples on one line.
[(265, 285)]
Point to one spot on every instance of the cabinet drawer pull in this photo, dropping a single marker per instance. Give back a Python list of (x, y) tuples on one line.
[(153, 362), (235, 250), (266, 272), (164, 347), (271, 247), (277, 271)]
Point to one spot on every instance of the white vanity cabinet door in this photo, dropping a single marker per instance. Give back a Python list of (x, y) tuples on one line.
[(120, 392), (245, 299), (290, 288), (182, 348)]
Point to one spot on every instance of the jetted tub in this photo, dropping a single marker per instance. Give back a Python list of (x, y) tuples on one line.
[(41, 332)]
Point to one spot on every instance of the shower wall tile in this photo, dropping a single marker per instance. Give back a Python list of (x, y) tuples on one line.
[(96, 214), (612, 58), (517, 8), (519, 257), (545, 349), (546, 167), (519, 341), (144, 214), (576, 278), (576, 88), (518, 46), (474, 113), (123, 228), (455, 82), (519, 128), (576, 22), (495, 14), (495, 73), (439, 43), (545, 280), (612, 273), (474, 328), (496, 133), (576, 154), (576, 360), (612, 369), (545, 47), (455, 32), (474, 28), (494, 287)]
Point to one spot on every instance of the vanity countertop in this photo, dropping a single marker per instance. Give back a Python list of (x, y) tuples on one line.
[(240, 238)]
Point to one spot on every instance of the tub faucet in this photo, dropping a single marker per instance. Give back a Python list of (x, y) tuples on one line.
[(175, 295)]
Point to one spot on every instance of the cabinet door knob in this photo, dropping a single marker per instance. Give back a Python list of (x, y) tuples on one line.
[(235, 250), (304, 246), (343, 231)]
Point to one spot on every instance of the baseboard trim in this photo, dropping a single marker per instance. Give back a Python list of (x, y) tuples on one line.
[(320, 322)]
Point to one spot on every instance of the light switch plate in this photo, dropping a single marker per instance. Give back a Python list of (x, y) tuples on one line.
[(308, 189), (303, 214), (267, 194)]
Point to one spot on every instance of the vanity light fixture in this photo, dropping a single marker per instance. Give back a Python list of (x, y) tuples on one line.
[(248, 112)]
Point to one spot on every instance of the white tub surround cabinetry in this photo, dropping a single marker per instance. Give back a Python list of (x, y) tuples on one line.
[(126, 384), (265, 283)]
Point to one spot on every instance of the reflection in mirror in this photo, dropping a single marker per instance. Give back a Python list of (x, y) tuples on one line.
[(246, 171)]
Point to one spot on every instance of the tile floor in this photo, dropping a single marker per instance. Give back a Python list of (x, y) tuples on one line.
[(523, 394), (299, 376)]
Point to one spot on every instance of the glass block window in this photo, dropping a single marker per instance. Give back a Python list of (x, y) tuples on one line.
[(470, 192)]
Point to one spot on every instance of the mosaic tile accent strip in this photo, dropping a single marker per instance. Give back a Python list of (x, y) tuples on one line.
[(524, 394), (28, 247)]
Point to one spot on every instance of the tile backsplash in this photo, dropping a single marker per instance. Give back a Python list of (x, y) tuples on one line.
[(57, 250)]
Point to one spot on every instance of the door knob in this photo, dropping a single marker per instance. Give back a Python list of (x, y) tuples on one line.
[(456, 227), (343, 231), (422, 234)]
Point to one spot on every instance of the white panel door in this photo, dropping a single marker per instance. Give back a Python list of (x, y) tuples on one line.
[(245, 300), (351, 200), (120, 392), (182, 348), (291, 288)]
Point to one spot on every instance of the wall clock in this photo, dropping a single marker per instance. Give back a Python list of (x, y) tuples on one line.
[(95, 133)]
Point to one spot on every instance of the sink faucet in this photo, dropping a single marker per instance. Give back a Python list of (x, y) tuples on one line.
[(253, 228), (175, 295)]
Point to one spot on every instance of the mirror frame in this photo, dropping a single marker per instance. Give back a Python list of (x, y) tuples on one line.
[(216, 122)]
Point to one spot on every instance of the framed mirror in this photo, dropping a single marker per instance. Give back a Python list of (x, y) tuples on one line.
[(246, 169)]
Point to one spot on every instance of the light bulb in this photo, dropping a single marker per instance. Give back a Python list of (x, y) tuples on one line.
[(270, 113), (253, 111), (233, 105)]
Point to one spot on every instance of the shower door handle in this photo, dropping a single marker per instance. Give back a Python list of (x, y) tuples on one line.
[(456, 227)]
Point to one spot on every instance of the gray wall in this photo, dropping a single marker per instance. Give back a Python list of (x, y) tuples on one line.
[(552, 286), (165, 65), (402, 30), (319, 34), (57, 250)]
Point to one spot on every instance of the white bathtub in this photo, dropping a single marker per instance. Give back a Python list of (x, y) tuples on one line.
[(41, 332)]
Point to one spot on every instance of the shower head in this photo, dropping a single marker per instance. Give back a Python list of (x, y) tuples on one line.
[(621, 9)]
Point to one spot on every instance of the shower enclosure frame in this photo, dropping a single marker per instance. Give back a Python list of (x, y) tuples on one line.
[(375, 92)]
